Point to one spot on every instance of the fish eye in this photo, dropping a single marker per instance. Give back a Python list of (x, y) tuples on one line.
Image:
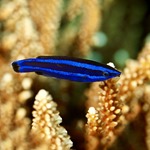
[(106, 74)]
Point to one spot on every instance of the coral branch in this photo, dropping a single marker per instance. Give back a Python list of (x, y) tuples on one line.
[(136, 73), (46, 15), (89, 25), (103, 119), (111, 100), (147, 116), (46, 122)]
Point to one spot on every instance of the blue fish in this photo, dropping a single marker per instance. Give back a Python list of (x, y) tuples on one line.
[(63, 67)]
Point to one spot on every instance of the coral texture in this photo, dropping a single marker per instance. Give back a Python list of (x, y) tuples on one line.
[(104, 115), (115, 106), (112, 114), (46, 122)]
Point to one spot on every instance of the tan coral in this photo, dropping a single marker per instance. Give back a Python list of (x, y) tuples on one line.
[(135, 74), (74, 9), (46, 15), (14, 125), (146, 109), (130, 91), (46, 122), (89, 25), (20, 37), (106, 116)]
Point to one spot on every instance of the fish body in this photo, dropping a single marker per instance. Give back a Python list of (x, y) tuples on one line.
[(63, 67)]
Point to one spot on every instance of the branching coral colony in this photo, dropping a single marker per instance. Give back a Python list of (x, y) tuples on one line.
[(46, 122), (111, 104), (114, 103)]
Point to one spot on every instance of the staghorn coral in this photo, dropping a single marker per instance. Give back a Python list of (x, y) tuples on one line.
[(89, 25), (81, 20), (105, 115), (21, 38), (32, 28), (14, 123), (46, 122), (146, 109), (125, 101), (135, 74), (46, 17), (74, 9)]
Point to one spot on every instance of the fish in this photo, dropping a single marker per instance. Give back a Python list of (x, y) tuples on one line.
[(64, 67)]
